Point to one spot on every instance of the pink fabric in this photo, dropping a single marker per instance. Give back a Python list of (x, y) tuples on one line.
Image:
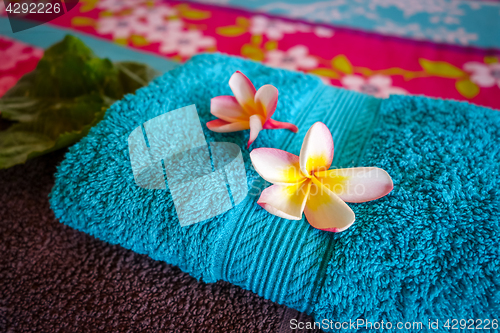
[(16, 59), (355, 60)]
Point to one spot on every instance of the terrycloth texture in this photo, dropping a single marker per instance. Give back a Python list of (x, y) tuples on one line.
[(428, 250), (56, 279)]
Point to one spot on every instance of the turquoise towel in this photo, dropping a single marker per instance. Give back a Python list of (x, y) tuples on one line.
[(427, 251)]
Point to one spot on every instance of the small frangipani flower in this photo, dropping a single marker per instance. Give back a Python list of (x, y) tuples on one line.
[(303, 184), (247, 109)]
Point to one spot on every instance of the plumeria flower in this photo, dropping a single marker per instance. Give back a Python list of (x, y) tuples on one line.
[(303, 184), (272, 28), (293, 59), (484, 75), (376, 85), (186, 43), (248, 109)]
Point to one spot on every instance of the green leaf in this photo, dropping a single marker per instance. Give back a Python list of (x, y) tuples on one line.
[(441, 68), (325, 72), (467, 88), (343, 64), (231, 31), (56, 104)]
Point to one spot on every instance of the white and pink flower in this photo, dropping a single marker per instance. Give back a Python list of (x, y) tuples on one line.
[(271, 28), (160, 31), (303, 184), (17, 52), (186, 43), (484, 75), (118, 5), (119, 26), (159, 13), (247, 109), (293, 59), (376, 85)]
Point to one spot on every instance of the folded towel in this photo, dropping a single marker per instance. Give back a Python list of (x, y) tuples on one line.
[(427, 251)]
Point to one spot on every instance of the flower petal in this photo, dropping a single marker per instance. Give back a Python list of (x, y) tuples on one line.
[(274, 124), (244, 91), (285, 201), (356, 184), (266, 99), (227, 108), (326, 211), (277, 166), (476, 67), (316, 153), (298, 51), (222, 126), (395, 91), (255, 128)]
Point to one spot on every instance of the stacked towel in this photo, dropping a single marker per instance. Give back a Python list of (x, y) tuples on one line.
[(427, 251)]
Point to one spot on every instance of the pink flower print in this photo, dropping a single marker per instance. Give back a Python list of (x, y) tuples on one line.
[(154, 14), (6, 82), (159, 31), (293, 59), (117, 5), (484, 75), (119, 26)]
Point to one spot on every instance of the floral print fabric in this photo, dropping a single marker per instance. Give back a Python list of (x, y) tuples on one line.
[(16, 59), (366, 62)]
